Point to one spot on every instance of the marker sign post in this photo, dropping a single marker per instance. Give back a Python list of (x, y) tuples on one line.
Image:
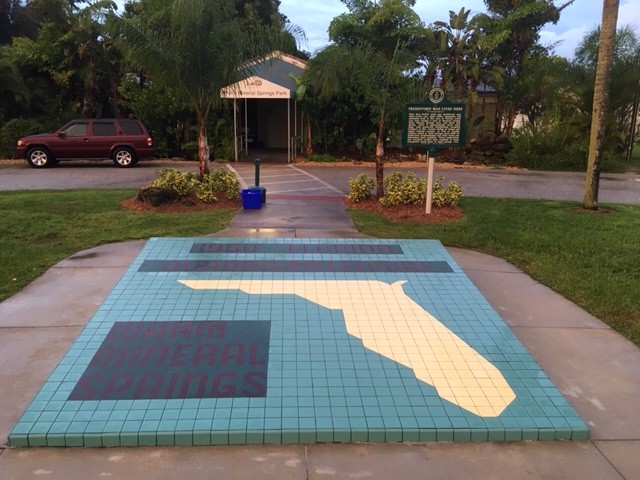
[(432, 125)]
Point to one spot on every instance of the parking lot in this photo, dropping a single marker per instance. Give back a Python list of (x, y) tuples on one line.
[(325, 179)]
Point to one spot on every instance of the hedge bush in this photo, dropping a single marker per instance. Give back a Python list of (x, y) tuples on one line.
[(402, 189), (446, 197), (360, 187), (11, 131), (220, 181)]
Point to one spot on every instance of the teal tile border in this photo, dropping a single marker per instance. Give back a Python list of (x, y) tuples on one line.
[(324, 385)]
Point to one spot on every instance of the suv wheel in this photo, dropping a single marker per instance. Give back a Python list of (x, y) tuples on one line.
[(124, 157), (39, 157)]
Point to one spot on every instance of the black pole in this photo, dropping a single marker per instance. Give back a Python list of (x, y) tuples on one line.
[(257, 163)]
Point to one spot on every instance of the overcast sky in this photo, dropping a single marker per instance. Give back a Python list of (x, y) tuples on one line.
[(314, 17)]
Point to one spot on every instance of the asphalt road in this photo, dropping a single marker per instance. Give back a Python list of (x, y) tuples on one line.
[(614, 188)]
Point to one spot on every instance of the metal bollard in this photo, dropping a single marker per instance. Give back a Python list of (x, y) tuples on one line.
[(257, 164), (257, 181)]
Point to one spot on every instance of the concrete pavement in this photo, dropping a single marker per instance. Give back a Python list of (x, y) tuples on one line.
[(597, 370)]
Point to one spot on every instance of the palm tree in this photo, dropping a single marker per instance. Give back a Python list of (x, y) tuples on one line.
[(302, 85), (623, 90), (600, 102), (457, 61), (374, 45), (204, 49), (460, 59)]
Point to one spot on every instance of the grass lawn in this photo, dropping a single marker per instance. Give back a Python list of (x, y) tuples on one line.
[(591, 258), (40, 228)]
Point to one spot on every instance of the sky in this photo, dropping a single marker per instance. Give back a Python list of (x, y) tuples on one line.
[(314, 16)]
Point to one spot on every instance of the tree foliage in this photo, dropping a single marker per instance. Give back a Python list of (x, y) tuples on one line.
[(521, 21), (60, 59), (373, 46), (193, 56), (624, 81)]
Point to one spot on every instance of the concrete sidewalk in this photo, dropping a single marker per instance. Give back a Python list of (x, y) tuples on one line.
[(597, 370)]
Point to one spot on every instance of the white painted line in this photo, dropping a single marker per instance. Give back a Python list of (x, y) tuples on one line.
[(329, 186), (294, 175), (285, 183), (297, 190)]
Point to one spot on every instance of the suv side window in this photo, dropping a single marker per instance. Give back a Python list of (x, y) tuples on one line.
[(76, 130), (104, 129), (131, 127)]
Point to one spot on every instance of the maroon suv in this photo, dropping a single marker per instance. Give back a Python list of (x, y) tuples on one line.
[(123, 140)]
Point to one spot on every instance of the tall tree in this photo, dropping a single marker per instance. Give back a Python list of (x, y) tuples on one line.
[(6, 7), (460, 60), (625, 78), (374, 45), (459, 63), (544, 85), (202, 52), (67, 59), (523, 20), (600, 102), (14, 94), (16, 20)]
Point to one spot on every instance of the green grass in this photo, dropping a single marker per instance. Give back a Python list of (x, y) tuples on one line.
[(40, 228), (591, 258)]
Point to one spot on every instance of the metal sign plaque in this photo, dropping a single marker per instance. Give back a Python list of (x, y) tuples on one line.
[(434, 125)]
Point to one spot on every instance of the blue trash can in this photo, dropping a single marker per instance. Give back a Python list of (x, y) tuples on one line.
[(252, 198), (263, 191)]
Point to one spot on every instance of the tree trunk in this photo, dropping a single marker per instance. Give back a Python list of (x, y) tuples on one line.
[(632, 130), (203, 146), (380, 158), (508, 118), (308, 146), (600, 102)]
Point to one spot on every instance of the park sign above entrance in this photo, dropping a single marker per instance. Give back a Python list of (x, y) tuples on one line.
[(435, 123)]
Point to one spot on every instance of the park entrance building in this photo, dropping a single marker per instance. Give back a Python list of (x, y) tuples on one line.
[(265, 110)]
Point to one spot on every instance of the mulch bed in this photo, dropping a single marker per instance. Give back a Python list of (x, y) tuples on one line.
[(408, 213), (187, 204), (398, 213)]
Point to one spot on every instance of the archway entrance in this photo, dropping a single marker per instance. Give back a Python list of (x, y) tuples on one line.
[(265, 112)]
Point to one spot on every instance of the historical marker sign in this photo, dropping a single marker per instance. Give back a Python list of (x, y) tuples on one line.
[(434, 124)]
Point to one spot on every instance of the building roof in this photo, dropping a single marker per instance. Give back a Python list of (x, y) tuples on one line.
[(268, 77)]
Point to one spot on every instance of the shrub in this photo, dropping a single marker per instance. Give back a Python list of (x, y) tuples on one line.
[(322, 158), (401, 189), (11, 131), (446, 197), (220, 181), (204, 190), (184, 183), (360, 187), (223, 181), (409, 189), (189, 150), (367, 145), (555, 147)]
